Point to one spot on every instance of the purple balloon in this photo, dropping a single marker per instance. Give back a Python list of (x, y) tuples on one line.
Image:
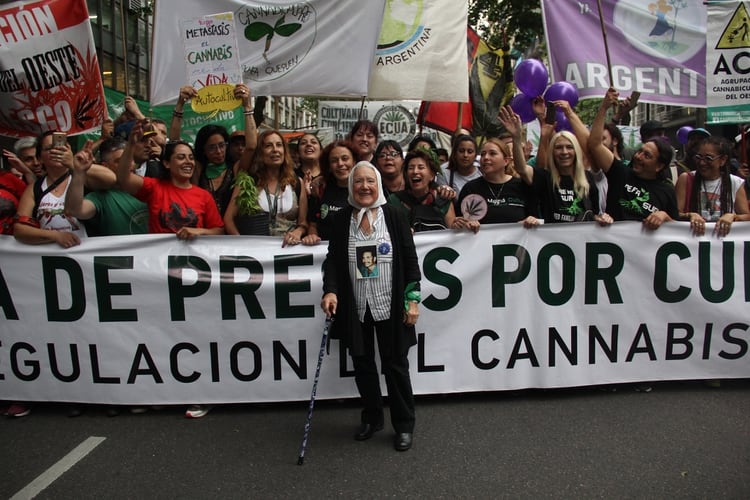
[(562, 91), (522, 105), (682, 133), (562, 122), (531, 77)]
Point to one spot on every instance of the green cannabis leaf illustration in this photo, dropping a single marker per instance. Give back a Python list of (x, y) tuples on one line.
[(393, 116), (257, 30)]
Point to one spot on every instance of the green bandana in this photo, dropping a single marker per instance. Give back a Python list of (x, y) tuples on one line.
[(213, 170), (412, 294)]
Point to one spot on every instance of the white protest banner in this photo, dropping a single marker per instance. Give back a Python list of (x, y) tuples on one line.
[(314, 47), (422, 52), (395, 120), (153, 320), (727, 62), (49, 74), (212, 62)]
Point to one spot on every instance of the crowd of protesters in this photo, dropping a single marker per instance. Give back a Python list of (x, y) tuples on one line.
[(140, 178)]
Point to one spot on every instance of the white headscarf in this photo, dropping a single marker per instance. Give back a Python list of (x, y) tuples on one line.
[(381, 197)]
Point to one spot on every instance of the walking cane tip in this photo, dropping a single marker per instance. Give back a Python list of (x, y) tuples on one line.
[(300, 460)]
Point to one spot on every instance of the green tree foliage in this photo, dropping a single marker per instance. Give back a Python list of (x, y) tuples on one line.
[(310, 104), (587, 109), (502, 21)]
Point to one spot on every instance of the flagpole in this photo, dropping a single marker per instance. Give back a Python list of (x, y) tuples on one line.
[(361, 108), (124, 47), (151, 53), (460, 117), (606, 45), (276, 111)]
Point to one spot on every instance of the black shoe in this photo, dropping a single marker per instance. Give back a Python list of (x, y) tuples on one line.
[(402, 442), (366, 431)]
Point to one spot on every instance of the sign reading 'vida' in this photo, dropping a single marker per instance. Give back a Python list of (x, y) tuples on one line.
[(212, 62)]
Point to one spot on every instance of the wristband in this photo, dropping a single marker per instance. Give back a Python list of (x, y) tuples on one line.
[(411, 294), (248, 112)]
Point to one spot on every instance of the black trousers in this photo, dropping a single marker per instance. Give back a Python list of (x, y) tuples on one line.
[(395, 367)]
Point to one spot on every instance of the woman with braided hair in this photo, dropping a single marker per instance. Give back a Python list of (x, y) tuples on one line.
[(710, 193)]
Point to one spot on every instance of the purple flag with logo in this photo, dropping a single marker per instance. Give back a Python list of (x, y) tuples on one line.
[(657, 47)]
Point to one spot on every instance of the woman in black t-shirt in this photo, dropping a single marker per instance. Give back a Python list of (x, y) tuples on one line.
[(499, 195), (567, 193), (329, 191)]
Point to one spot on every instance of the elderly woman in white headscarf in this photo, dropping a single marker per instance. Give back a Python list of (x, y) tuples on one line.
[(382, 301)]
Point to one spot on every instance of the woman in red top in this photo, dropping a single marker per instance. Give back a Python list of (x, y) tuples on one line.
[(11, 190), (175, 204)]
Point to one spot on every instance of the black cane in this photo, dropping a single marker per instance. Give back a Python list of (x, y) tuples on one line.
[(303, 446)]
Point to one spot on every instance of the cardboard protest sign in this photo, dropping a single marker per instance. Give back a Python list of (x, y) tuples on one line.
[(212, 62)]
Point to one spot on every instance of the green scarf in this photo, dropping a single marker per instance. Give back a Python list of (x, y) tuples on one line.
[(213, 170)]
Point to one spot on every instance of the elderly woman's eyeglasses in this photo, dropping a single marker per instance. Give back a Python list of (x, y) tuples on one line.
[(219, 146)]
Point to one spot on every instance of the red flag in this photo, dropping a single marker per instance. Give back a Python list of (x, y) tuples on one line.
[(490, 87), (443, 116)]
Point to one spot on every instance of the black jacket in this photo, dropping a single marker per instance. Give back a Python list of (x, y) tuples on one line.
[(336, 280)]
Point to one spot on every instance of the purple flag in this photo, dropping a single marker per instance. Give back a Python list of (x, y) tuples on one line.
[(657, 47)]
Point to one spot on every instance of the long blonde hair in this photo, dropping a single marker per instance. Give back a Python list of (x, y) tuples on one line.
[(580, 182)]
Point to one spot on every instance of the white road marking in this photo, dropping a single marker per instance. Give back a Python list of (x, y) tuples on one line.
[(61, 467)]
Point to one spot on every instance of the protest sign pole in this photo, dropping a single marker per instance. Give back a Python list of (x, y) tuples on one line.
[(361, 108), (606, 46)]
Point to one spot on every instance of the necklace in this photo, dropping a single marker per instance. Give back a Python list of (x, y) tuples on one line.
[(496, 194), (273, 207)]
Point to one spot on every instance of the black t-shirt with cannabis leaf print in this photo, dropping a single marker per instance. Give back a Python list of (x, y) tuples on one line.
[(631, 198), (561, 203), (512, 201)]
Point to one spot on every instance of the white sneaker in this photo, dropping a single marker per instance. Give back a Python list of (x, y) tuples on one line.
[(198, 411), (18, 410)]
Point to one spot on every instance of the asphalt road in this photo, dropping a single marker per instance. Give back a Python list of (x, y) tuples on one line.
[(683, 440)]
